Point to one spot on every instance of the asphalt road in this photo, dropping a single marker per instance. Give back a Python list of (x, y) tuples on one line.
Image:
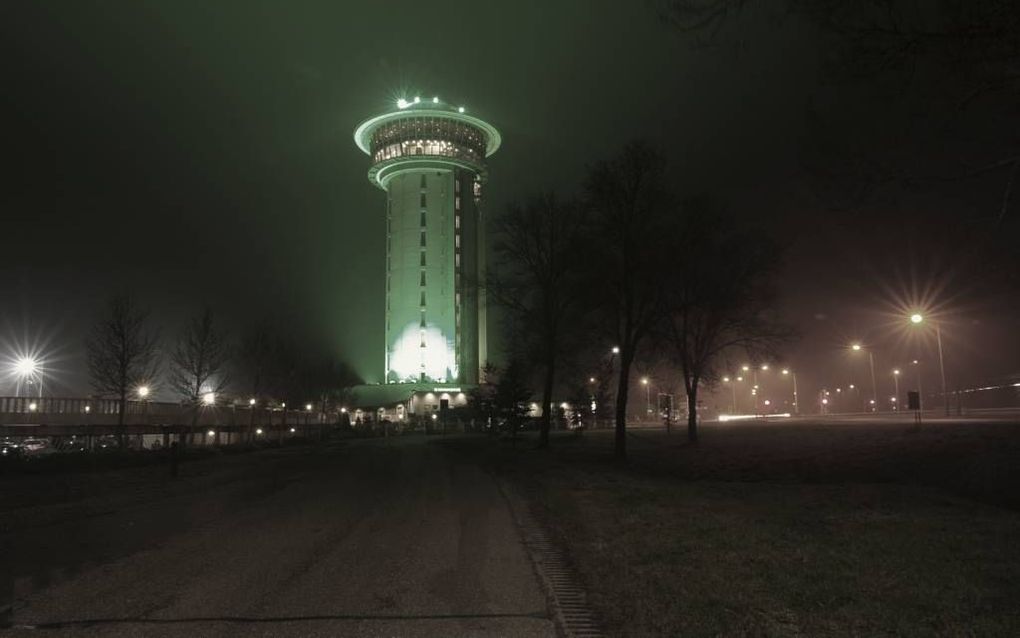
[(376, 537)]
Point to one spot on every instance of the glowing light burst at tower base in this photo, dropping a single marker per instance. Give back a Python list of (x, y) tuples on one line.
[(437, 359)]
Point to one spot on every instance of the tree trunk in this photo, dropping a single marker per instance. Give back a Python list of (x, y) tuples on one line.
[(622, 390), (692, 414), (122, 408), (547, 391)]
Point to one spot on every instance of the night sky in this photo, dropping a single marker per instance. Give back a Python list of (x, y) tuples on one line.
[(202, 153)]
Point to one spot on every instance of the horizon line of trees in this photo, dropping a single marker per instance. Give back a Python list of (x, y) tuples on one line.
[(124, 352)]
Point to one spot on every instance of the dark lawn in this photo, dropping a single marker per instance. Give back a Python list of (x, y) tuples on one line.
[(787, 529)]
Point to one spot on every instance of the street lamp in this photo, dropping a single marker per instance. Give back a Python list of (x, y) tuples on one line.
[(871, 360), (648, 396), (896, 382), (796, 403), (251, 402), (916, 319), (209, 398), (27, 369), (143, 391)]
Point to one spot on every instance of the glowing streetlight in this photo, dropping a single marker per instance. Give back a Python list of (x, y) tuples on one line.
[(292, 430), (916, 319), (26, 367), (32, 407), (616, 350), (251, 402), (796, 404), (871, 361), (258, 431), (143, 391), (211, 433), (745, 367), (343, 410), (896, 383), (209, 398), (733, 388), (591, 379), (648, 396), (308, 407), (765, 366)]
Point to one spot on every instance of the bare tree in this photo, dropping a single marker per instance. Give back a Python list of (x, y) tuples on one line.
[(537, 283), (122, 354), (629, 207), (719, 298), (198, 362)]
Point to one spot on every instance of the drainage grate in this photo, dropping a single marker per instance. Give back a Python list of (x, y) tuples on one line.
[(567, 599)]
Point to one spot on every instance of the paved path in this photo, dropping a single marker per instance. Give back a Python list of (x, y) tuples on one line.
[(374, 538)]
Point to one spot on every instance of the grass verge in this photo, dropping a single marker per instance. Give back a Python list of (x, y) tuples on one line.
[(664, 554)]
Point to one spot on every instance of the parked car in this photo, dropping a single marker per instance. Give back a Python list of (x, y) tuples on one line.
[(35, 447)]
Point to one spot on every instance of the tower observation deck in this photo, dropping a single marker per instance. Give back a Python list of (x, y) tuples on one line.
[(429, 158)]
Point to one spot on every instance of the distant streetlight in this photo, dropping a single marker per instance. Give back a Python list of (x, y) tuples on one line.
[(648, 396), (616, 350), (745, 368), (343, 410), (871, 361), (211, 433), (916, 319), (251, 402), (258, 431), (591, 379), (796, 402), (308, 407), (765, 366), (896, 383), (209, 398), (143, 391)]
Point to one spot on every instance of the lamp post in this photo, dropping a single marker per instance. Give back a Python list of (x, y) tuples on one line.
[(916, 318), (871, 360), (896, 384), (796, 404), (733, 387), (648, 395), (920, 392)]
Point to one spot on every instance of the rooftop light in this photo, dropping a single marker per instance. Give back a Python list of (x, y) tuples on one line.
[(402, 103)]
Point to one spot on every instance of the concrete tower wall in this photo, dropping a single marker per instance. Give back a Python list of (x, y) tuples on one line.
[(429, 158)]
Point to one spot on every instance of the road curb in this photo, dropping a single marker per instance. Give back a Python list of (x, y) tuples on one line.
[(567, 600)]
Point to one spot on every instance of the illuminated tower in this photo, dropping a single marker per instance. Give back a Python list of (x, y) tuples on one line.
[(429, 157)]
